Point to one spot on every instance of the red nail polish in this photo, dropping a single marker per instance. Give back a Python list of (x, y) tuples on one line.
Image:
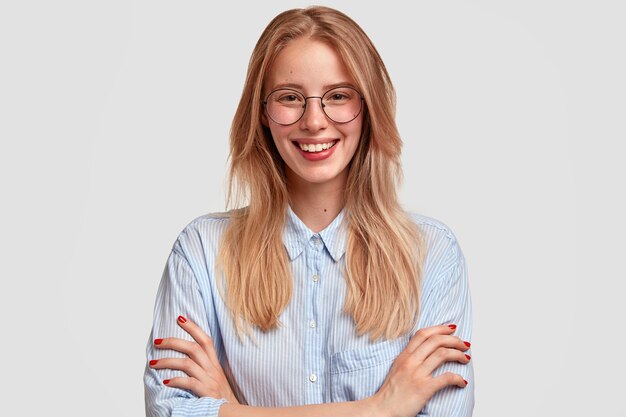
[(153, 362), (182, 319), (468, 357), (158, 341), (468, 344), (452, 326), (465, 382), (166, 381)]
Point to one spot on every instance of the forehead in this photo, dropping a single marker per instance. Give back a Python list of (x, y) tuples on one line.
[(308, 64)]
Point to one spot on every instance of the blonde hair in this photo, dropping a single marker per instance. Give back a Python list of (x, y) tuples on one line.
[(384, 254)]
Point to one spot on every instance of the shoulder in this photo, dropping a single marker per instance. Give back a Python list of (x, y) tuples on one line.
[(433, 231), (208, 222), (202, 234), (442, 250)]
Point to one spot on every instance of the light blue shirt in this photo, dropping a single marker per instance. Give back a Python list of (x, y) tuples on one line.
[(315, 356)]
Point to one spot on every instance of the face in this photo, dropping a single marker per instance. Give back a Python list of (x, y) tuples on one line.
[(312, 68)]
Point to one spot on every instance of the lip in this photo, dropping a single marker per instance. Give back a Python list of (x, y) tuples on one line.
[(316, 156)]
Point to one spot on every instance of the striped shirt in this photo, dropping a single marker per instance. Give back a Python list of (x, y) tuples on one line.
[(315, 356)]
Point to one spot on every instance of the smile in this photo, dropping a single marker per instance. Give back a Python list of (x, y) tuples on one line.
[(316, 147)]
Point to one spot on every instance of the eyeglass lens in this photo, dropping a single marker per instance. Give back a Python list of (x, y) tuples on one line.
[(287, 106)]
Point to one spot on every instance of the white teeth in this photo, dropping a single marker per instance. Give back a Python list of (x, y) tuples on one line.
[(317, 147)]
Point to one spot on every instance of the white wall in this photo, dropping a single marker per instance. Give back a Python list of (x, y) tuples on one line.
[(110, 108)]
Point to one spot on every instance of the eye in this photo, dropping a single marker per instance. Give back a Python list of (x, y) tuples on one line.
[(338, 96), (288, 97)]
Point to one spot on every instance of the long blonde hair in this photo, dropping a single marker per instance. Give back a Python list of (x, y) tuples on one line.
[(384, 254)]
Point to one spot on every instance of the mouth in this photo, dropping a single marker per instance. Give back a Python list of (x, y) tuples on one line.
[(314, 147)]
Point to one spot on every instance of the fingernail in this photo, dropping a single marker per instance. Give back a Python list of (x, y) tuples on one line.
[(158, 341), (153, 362), (465, 382), (452, 326), (468, 357), (468, 344), (182, 319), (166, 381)]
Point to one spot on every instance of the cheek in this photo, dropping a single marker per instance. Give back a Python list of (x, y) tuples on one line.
[(357, 125), (355, 132), (356, 135), (279, 136)]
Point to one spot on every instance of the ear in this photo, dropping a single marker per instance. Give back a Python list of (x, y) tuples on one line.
[(264, 121)]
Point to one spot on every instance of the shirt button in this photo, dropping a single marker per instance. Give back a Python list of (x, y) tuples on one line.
[(317, 241), (312, 323), (312, 377), (316, 278)]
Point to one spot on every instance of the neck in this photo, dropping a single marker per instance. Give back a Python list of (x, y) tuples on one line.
[(316, 205)]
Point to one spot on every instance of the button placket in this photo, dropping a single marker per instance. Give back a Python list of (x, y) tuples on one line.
[(315, 250)]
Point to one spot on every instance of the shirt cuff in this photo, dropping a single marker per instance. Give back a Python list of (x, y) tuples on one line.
[(198, 407)]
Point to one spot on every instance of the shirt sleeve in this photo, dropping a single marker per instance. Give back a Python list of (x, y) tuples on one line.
[(178, 294), (450, 304)]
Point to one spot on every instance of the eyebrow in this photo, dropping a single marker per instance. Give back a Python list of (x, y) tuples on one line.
[(325, 87)]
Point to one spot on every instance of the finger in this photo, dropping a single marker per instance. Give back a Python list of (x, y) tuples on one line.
[(423, 334), (191, 349), (434, 342), (186, 365), (448, 379), (441, 356), (200, 336), (191, 384)]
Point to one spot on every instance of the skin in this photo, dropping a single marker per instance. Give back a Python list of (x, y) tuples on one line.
[(315, 187), (316, 193)]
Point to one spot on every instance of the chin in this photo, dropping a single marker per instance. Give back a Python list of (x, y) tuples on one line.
[(319, 178)]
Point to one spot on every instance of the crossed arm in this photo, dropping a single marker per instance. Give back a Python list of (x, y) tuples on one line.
[(408, 386)]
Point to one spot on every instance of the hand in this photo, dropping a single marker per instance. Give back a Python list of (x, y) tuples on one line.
[(205, 374), (410, 383)]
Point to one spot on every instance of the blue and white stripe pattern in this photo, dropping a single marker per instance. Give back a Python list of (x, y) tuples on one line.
[(315, 356)]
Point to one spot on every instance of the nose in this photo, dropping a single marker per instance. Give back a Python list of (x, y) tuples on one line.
[(314, 117)]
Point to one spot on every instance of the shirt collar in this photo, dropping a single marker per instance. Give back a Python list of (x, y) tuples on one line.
[(296, 235)]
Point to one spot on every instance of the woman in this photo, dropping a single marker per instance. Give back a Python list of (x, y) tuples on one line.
[(321, 296)]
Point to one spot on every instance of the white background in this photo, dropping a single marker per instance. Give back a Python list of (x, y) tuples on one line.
[(114, 119)]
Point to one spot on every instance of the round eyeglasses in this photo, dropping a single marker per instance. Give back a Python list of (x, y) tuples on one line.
[(286, 106)]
